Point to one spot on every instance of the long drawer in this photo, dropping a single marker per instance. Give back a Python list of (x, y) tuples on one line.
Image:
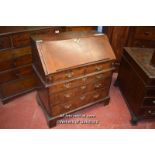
[(17, 86), (78, 101), (15, 58), (79, 82), (17, 73), (68, 95)]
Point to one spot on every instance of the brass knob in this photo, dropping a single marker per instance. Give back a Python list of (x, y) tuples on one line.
[(99, 76), (67, 95), (82, 97), (69, 75), (84, 79), (96, 96), (67, 85), (98, 68), (83, 87), (98, 85), (153, 101), (67, 106)]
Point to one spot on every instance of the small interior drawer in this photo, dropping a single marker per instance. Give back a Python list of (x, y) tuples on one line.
[(5, 42), (149, 101), (146, 33)]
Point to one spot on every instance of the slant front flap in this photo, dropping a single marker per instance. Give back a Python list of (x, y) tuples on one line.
[(63, 54)]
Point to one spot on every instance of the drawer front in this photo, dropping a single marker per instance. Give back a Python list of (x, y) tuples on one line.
[(6, 65), (42, 31), (5, 42), (78, 101), (21, 39), (23, 60), (66, 75), (149, 102), (150, 92), (15, 74), (143, 43), (98, 67), (149, 112), (18, 86), (80, 82), (146, 33)]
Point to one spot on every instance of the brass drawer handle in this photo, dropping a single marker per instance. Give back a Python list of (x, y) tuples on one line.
[(98, 68), (67, 85), (82, 97), (153, 101), (83, 87), (150, 112), (69, 75), (84, 79), (67, 95), (99, 76), (96, 96), (56, 31), (98, 85), (67, 106)]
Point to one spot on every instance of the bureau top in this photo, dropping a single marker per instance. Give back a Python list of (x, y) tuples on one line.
[(142, 56), (72, 49)]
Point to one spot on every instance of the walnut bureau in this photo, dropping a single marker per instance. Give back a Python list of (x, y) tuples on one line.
[(75, 71), (136, 80)]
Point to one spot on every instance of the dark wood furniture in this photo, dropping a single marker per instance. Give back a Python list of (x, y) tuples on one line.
[(16, 73), (130, 36), (136, 80), (153, 59), (75, 70)]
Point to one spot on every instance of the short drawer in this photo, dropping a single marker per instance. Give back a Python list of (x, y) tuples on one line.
[(79, 82), (42, 31), (150, 92), (66, 75), (146, 33), (6, 65), (23, 60), (98, 67), (21, 39), (14, 87), (5, 42), (15, 74), (149, 112), (149, 101)]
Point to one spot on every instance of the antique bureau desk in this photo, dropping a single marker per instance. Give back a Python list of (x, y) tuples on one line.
[(136, 79), (75, 70)]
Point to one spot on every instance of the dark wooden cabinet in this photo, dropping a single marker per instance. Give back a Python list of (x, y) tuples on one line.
[(16, 73), (130, 36), (136, 80), (75, 70)]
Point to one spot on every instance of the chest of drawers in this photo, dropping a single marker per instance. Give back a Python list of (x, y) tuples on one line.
[(75, 70), (136, 79)]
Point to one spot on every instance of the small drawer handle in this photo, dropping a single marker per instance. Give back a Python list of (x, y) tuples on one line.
[(150, 112), (67, 85), (69, 75), (67, 95), (153, 101), (98, 85), (83, 87), (57, 31), (98, 68), (96, 96), (146, 33), (67, 106), (82, 97), (84, 79), (99, 76)]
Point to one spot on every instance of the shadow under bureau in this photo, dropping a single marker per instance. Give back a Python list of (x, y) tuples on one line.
[(75, 71)]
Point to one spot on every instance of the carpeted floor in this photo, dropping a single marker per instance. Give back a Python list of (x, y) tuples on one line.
[(24, 112)]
